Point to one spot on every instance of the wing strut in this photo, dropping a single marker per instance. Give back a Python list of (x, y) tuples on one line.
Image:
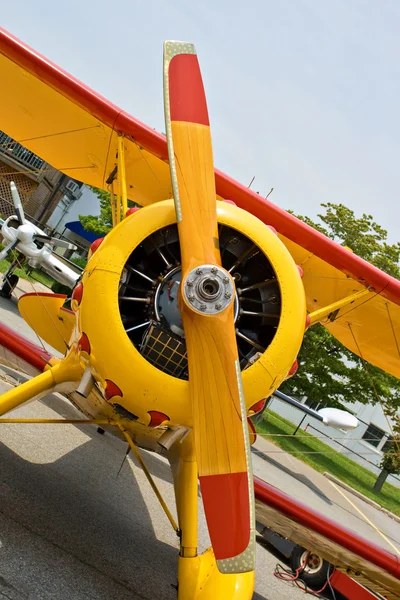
[(122, 176)]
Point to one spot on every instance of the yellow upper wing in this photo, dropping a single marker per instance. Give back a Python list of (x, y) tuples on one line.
[(50, 120), (76, 130)]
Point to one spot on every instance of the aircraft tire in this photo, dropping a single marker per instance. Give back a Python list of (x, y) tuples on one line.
[(315, 572)]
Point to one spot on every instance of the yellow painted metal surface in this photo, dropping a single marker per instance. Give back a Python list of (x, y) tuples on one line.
[(66, 370), (183, 463), (85, 148), (369, 326), (321, 314), (115, 213), (44, 313), (122, 175), (199, 579), (114, 357)]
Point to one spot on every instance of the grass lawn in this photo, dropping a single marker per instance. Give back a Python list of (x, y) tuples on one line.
[(334, 463), (34, 276)]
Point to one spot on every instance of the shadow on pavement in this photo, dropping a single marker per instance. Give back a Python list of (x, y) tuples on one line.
[(299, 476), (78, 505)]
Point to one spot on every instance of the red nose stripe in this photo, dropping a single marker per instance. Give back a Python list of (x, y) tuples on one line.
[(186, 90), (227, 509)]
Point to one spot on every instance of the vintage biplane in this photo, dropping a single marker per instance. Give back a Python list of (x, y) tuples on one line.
[(190, 313)]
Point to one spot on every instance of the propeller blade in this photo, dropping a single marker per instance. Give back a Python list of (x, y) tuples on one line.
[(19, 211), (207, 303), (54, 241), (4, 253)]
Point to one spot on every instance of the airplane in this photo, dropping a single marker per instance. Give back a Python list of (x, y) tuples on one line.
[(35, 245), (189, 314)]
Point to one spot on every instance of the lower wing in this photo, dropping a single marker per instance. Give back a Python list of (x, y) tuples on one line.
[(362, 560)]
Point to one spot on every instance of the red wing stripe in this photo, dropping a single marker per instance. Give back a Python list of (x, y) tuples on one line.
[(227, 510), (23, 348), (315, 521), (155, 143), (186, 90)]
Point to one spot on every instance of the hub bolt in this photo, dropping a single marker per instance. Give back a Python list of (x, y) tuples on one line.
[(214, 270), (226, 280), (228, 294), (203, 307), (199, 271), (218, 306), (191, 297), (189, 282)]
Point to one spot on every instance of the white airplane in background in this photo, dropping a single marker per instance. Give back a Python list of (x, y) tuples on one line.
[(36, 246)]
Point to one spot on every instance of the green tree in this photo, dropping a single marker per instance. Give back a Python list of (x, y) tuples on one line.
[(328, 372), (390, 463), (101, 224)]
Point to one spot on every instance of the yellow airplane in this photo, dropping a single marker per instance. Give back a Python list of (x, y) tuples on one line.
[(192, 310)]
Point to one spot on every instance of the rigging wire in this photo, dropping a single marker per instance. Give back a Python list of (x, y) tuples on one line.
[(312, 452), (374, 387), (392, 326), (41, 137), (316, 437), (56, 325), (27, 171), (340, 316), (145, 159), (6, 277), (35, 291)]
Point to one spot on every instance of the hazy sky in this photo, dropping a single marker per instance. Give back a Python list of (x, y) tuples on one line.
[(302, 94)]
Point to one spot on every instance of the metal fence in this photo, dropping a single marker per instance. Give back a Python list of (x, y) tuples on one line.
[(348, 450), (14, 150)]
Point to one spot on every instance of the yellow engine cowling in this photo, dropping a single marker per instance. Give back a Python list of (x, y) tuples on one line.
[(126, 360)]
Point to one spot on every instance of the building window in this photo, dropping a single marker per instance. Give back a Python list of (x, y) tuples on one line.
[(373, 435)]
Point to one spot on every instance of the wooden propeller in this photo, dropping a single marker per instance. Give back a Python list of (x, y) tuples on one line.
[(207, 304)]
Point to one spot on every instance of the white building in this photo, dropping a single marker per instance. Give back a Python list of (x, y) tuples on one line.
[(363, 445), (66, 216)]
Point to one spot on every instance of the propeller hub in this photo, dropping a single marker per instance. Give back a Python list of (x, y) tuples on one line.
[(209, 289), (26, 232)]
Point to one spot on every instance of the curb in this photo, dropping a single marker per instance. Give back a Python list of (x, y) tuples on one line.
[(361, 496)]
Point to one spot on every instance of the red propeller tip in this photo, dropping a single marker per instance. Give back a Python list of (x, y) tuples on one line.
[(228, 512), (186, 90)]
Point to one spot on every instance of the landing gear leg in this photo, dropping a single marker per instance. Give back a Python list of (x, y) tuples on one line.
[(10, 281), (198, 575)]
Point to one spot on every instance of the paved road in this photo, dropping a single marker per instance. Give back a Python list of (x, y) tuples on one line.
[(70, 529), (289, 474)]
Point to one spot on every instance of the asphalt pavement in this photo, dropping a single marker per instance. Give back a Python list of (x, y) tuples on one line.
[(294, 477), (71, 528)]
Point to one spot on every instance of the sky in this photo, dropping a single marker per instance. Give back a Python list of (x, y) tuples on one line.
[(303, 95)]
